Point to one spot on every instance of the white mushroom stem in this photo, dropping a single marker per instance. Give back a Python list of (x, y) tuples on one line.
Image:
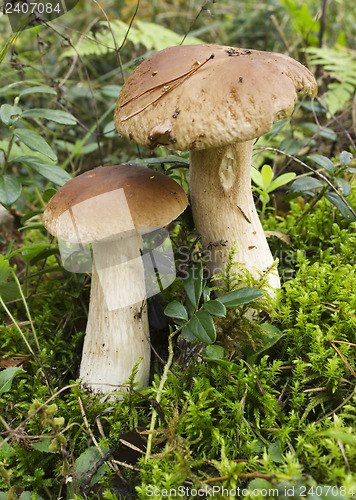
[(224, 211), (117, 331)]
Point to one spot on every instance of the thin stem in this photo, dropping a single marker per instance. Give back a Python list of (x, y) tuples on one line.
[(23, 424), (7, 153), (159, 394), (27, 310), (23, 335), (17, 327), (202, 9)]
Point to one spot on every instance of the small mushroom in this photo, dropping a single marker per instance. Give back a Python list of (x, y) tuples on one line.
[(110, 208), (227, 97)]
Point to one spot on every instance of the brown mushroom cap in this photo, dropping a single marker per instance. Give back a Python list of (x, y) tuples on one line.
[(106, 201), (204, 96)]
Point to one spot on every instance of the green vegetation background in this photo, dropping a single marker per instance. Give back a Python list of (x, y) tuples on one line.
[(268, 416)]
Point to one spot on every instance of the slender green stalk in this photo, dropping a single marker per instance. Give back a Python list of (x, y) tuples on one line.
[(7, 153), (159, 394), (27, 310), (7, 45), (22, 333), (17, 327)]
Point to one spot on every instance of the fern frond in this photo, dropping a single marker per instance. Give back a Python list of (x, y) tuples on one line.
[(152, 36), (341, 66)]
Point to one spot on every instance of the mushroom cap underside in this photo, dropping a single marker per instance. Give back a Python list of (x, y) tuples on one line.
[(108, 201), (194, 97)]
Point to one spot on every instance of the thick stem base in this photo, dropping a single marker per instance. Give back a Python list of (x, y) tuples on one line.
[(115, 337), (224, 211)]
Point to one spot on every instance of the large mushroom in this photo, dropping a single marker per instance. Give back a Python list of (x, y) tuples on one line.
[(110, 208), (215, 101)]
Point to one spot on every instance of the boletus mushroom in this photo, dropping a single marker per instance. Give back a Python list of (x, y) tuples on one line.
[(215, 101), (110, 208)]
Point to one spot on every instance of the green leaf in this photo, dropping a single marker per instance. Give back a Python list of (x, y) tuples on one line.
[(111, 91), (54, 115), (193, 285), (275, 453), (264, 197), (281, 180), (31, 226), (344, 186), (233, 368), (240, 297), (9, 291), (259, 484), (340, 436), (291, 146), (38, 90), (29, 215), (215, 307), (6, 451), (43, 445), (9, 114), (15, 150), (35, 142), (328, 133), (53, 173), (345, 158), (213, 352), (305, 184), (325, 132), (6, 378), (44, 255), (341, 206), (10, 189), (309, 126), (187, 333), (267, 175), (29, 495), (5, 269), (29, 252), (323, 161), (202, 327), (256, 177), (48, 193), (109, 130), (86, 461), (176, 310), (268, 337)]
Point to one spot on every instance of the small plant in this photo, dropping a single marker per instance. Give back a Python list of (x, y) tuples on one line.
[(24, 149), (333, 182), (195, 318), (266, 184)]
